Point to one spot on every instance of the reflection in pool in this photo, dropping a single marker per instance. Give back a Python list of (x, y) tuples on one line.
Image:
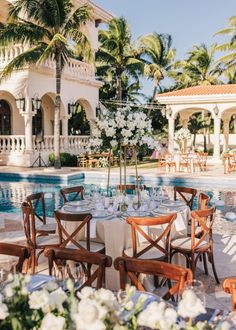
[(12, 194)]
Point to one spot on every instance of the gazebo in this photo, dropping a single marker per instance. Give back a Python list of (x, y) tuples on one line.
[(219, 100)]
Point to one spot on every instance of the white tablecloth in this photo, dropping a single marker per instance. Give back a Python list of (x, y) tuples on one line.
[(115, 233)]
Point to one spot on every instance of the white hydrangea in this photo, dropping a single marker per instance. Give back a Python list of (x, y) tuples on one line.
[(190, 305), (90, 316), (106, 297), (157, 316), (52, 322), (182, 134)]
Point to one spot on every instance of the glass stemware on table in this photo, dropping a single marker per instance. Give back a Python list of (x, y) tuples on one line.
[(101, 204)]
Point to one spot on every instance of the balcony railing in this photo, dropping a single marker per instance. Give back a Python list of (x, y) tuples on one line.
[(16, 144), (73, 68)]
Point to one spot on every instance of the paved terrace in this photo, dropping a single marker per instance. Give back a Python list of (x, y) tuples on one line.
[(224, 231)]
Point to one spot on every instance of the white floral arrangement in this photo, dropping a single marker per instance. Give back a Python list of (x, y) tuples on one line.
[(125, 127), (50, 308), (182, 134)]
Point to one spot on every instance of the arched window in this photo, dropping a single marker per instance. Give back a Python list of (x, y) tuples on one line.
[(5, 118), (38, 122), (78, 123)]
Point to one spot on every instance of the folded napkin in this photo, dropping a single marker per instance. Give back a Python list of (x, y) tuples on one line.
[(99, 206), (130, 207), (143, 207), (152, 205)]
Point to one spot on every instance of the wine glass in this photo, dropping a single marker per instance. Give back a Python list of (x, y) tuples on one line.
[(198, 288)]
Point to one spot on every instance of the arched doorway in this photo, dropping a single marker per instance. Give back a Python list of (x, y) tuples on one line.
[(38, 122), (5, 118), (78, 123)]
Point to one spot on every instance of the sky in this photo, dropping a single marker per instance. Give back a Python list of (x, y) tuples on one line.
[(189, 22)]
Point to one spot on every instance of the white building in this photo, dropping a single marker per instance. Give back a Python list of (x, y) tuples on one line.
[(218, 100), (18, 126)]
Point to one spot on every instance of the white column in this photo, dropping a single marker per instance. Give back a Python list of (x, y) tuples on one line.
[(226, 134), (171, 132), (65, 130), (217, 121), (28, 115)]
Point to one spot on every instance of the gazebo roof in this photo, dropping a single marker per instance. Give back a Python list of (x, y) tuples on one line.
[(201, 90)]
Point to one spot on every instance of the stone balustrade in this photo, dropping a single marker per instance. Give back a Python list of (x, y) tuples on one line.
[(16, 144), (12, 144), (7, 55), (73, 67)]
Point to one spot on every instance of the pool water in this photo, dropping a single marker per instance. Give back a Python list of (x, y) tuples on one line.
[(12, 194)]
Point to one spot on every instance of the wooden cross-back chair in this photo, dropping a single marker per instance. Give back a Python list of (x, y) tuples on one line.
[(194, 247), (76, 193), (202, 160), (203, 201), (61, 256), (33, 241), (229, 286), (187, 195), (177, 276), (14, 250), (229, 163), (185, 162), (36, 201), (79, 224), (151, 247)]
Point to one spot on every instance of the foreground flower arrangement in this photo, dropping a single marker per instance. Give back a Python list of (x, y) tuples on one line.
[(50, 308)]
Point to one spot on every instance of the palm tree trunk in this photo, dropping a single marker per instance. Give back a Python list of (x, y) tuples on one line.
[(153, 97), (119, 88), (194, 139), (57, 112)]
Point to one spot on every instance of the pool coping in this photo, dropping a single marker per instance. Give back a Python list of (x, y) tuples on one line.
[(152, 178)]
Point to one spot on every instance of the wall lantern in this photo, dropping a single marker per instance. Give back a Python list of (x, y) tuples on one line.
[(20, 102), (169, 111), (36, 102), (72, 107), (216, 110)]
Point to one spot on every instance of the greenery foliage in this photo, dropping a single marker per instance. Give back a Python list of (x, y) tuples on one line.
[(66, 159)]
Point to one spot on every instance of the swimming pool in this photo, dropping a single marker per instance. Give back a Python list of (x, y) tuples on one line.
[(14, 192)]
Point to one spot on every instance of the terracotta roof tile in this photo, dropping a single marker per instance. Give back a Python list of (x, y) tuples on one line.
[(202, 90)]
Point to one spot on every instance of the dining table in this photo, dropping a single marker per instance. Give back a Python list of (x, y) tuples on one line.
[(110, 227)]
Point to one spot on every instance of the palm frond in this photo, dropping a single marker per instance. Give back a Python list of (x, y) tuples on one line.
[(31, 56)]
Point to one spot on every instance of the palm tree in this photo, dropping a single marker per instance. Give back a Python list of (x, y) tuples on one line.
[(230, 58), (197, 123), (200, 68), (51, 28), (117, 57), (158, 54)]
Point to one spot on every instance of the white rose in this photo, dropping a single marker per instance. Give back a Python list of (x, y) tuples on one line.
[(150, 316), (56, 299), (86, 292), (114, 143), (107, 297), (8, 291), (51, 286), (190, 305), (110, 132), (90, 315), (169, 318), (52, 322), (39, 300), (3, 311)]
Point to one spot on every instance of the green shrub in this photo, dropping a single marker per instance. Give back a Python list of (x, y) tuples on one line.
[(66, 159)]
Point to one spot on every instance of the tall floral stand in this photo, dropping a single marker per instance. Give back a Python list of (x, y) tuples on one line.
[(123, 170)]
